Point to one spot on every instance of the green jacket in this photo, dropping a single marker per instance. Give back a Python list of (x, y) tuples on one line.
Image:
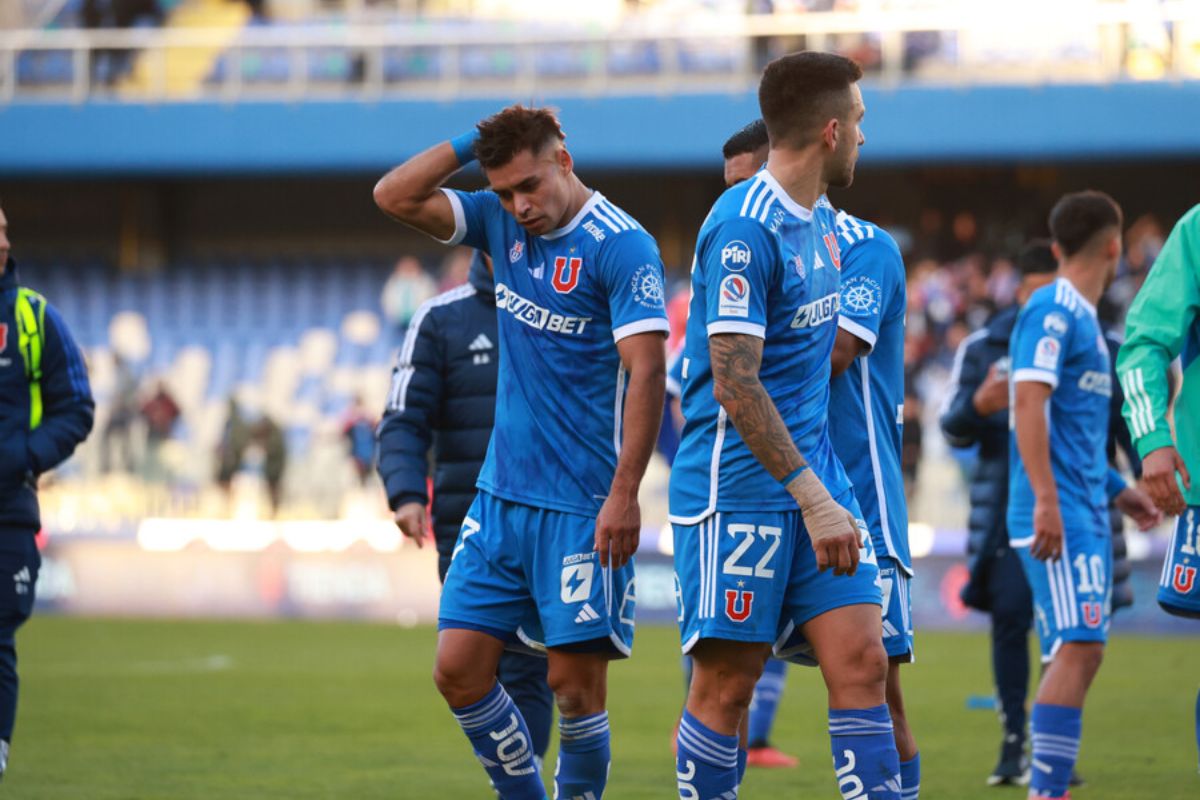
[(1164, 324)]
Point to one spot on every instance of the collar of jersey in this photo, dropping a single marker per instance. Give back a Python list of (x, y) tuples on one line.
[(1083, 301), (578, 218), (787, 202)]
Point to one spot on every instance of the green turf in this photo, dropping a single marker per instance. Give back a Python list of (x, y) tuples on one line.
[(117, 709)]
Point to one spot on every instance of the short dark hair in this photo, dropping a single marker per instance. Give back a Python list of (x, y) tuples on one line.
[(1036, 258), (514, 130), (749, 139), (1076, 219), (800, 92)]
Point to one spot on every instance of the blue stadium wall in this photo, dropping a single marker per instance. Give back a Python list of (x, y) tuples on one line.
[(906, 125)]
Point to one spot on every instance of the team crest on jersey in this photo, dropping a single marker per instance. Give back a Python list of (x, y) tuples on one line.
[(798, 263), (1055, 324), (1093, 614), (861, 295), (735, 297), (736, 256), (738, 604), (647, 286), (1184, 579), (516, 251), (835, 252), (566, 274)]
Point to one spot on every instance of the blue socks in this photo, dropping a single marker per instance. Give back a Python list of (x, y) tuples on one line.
[(765, 702), (743, 756), (864, 752), (910, 778), (1056, 731), (583, 757), (501, 742), (706, 764)]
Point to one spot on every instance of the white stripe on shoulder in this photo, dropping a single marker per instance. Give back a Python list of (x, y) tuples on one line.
[(756, 188), (609, 222), (620, 212)]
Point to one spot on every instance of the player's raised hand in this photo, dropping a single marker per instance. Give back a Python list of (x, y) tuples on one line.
[(1158, 476), (1047, 531), (618, 530), (410, 519), (833, 530), (1137, 505)]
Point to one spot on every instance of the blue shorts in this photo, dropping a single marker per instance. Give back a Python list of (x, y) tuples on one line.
[(897, 610), (1179, 587), (531, 575), (1072, 595), (752, 577)]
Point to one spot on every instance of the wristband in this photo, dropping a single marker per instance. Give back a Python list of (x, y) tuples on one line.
[(791, 476), (464, 146)]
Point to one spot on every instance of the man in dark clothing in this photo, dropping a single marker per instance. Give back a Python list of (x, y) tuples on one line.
[(977, 414), (46, 410), (444, 394)]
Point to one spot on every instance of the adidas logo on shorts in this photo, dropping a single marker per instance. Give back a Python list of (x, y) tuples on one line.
[(586, 614)]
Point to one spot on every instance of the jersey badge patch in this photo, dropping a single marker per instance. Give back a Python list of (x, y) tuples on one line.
[(566, 274), (647, 287), (861, 295), (736, 256), (738, 604), (735, 297), (1046, 355), (1055, 324), (516, 251)]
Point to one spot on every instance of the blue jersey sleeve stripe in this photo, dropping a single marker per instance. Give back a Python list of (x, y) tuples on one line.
[(862, 332), (1031, 375), (729, 326), (460, 219)]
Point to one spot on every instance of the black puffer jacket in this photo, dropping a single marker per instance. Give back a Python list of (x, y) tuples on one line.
[(443, 394), (963, 427)]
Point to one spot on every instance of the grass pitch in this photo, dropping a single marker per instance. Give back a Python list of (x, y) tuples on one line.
[(124, 709)]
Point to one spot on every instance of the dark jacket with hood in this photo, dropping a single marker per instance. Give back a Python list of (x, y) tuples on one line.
[(67, 407), (443, 395)]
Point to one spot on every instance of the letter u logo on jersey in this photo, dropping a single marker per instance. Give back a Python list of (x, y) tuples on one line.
[(835, 252), (738, 604), (1184, 579), (566, 274), (1092, 616)]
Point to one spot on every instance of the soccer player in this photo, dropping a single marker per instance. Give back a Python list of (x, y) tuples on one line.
[(1164, 324), (1057, 512), (744, 153), (545, 550), (768, 546), (866, 402)]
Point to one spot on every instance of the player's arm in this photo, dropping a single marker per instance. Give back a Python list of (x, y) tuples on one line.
[(846, 348), (411, 193), (67, 405), (1155, 329), (736, 360), (406, 430), (619, 524), (1033, 446)]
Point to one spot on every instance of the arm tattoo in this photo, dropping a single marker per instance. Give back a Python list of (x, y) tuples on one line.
[(736, 359)]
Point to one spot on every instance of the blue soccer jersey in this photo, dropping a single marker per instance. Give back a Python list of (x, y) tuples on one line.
[(1058, 341), (564, 299), (766, 267), (867, 400)]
